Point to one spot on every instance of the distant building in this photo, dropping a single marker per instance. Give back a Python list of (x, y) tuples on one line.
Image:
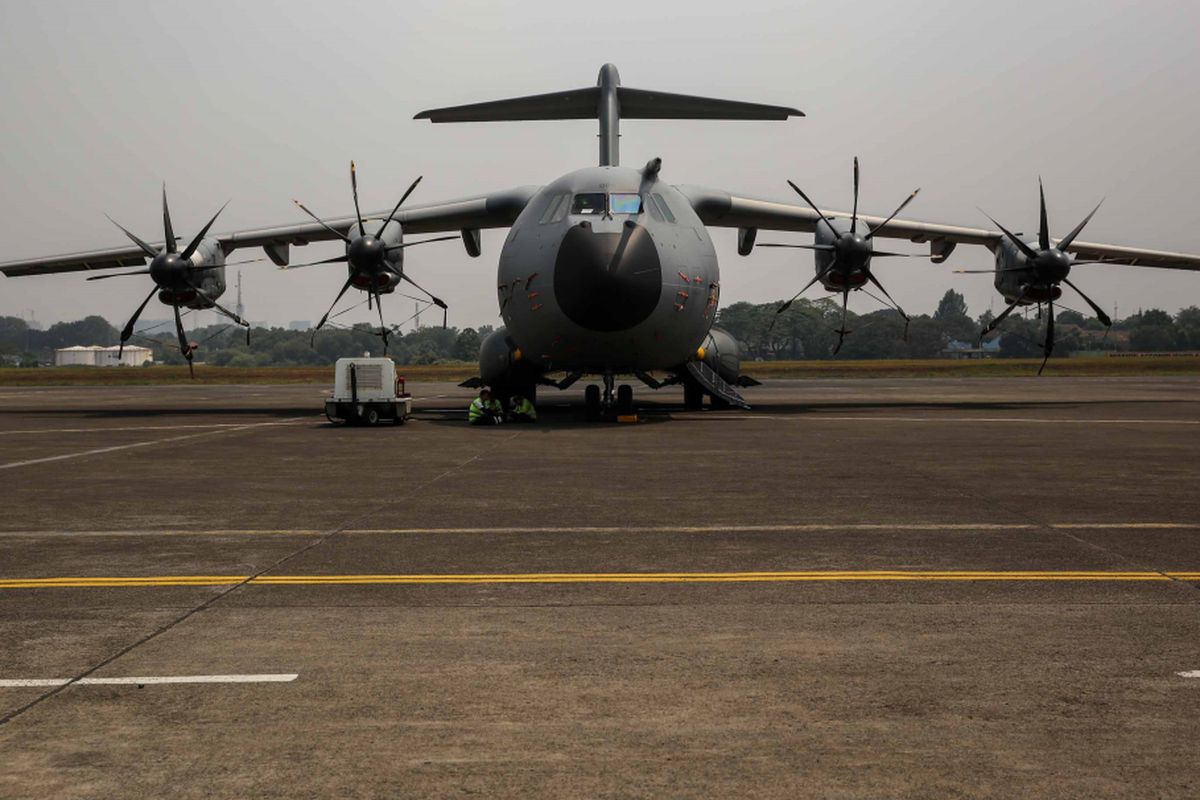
[(300, 325), (95, 356), (957, 349)]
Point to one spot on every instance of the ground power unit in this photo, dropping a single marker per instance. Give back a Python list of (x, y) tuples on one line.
[(367, 391)]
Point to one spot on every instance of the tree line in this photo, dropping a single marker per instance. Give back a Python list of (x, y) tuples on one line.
[(806, 330)]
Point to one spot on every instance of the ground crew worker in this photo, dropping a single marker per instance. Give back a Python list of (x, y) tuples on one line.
[(484, 410), (520, 409)]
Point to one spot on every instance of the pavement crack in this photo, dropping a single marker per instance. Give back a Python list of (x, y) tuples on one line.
[(216, 598)]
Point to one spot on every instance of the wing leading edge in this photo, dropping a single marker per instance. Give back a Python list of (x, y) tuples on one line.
[(724, 210), (496, 210)]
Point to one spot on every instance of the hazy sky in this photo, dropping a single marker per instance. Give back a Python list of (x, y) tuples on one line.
[(265, 101)]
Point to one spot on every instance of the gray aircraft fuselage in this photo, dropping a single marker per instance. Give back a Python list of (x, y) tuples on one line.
[(586, 286)]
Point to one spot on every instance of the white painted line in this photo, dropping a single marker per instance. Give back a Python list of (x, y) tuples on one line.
[(123, 429), (119, 447), (150, 680), (1195, 673), (877, 418)]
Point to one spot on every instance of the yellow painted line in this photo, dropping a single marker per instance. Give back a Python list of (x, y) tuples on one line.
[(815, 527), (824, 576)]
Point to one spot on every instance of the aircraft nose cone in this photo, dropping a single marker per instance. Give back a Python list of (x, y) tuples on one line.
[(607, 281), (168, 269), (366, 253)]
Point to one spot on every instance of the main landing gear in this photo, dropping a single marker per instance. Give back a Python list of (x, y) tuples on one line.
[(609, 403)]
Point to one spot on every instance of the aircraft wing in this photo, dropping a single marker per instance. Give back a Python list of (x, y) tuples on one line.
[(497, 210), (722, 209)]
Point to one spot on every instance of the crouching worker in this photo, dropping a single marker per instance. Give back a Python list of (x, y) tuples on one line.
[(520, 409), (484, 410)]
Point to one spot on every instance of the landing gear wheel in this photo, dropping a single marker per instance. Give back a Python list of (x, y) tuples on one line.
[(624, 399), (371, 416), (591, 401), (693, 396)]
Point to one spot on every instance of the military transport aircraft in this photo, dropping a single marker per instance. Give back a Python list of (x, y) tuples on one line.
[(610, 270)]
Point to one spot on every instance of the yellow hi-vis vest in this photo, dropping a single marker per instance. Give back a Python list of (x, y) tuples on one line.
[(525, 408)]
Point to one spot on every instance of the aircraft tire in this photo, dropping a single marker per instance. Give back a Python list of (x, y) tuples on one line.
[(693, 395), (591, 401), (624, 399)]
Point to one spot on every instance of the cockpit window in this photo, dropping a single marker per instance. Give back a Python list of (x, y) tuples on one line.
[(624, 203), (557, 208), (591, 203)]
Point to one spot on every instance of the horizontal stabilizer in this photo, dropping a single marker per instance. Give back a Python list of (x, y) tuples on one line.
[(641, 104), (571, 104), (585, 104)]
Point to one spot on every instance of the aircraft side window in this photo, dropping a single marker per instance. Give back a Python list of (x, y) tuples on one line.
[(662, 205), (652, 207), (624, 203), (548, 211), (557, 208), (590, 203)]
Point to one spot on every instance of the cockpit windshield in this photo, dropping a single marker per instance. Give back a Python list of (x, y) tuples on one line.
[(591, 203), (622, 203)]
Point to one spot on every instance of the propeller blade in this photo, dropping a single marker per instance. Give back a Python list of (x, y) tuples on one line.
[(1070, 237), (342, 259), (1044, 223), (903, 205), (879, 286), (825, 248), (119, 274), (321, 222), (437, 301), (192, 245), (991, 326), (841, 332), (403, 245), (127, 331), (354, 188), (816, 278), (1029, 252), (325, 318), (168, 231), (383, 329), (854, 213), (400, 203), (813, 206), (1100, 315), (1048, 348), (885, 254), (184, 346), (147, 249), (211, 300)]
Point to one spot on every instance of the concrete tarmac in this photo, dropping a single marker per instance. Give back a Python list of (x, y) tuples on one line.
[(901, 588)]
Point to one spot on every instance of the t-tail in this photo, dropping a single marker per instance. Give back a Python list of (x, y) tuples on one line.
[(608, 101)]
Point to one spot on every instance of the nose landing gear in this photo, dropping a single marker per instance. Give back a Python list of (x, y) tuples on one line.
[(614, 401)]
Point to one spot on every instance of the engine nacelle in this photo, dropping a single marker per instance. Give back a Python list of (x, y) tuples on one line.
[(502, 365)]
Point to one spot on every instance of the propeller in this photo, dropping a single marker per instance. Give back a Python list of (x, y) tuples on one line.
[(850, 255), (175, 278), (1047, 267), (369, 257)]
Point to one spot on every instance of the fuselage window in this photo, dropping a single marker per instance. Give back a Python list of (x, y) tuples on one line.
[(591, 203), (624, 203), (662, 205)]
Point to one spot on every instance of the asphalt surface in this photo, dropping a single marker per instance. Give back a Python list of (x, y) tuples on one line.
[(902, 588)]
